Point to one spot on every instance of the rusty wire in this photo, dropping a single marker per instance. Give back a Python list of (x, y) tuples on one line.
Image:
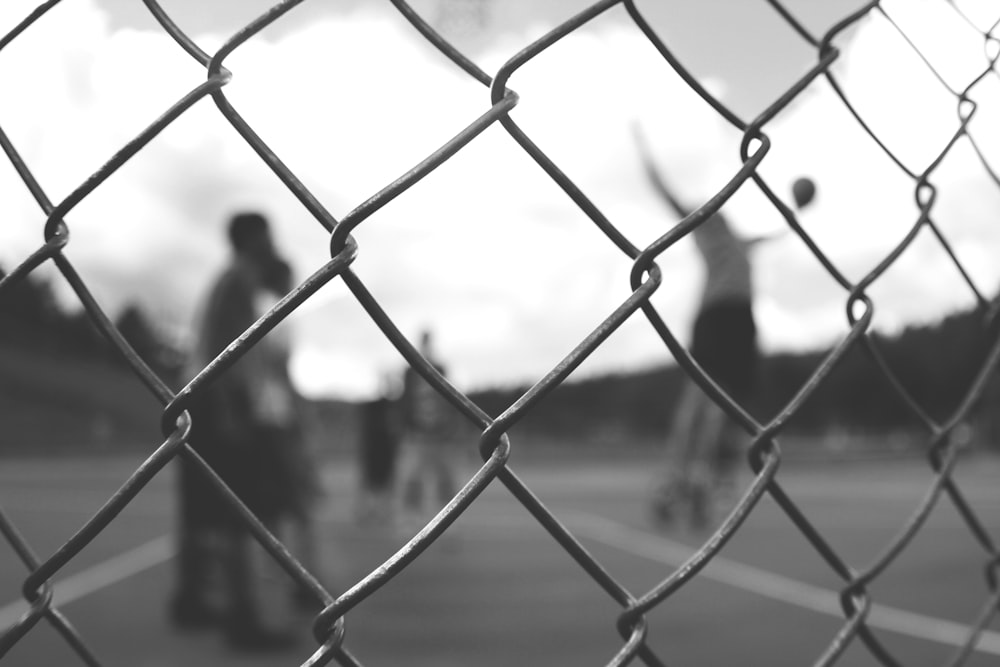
[(764, 459)]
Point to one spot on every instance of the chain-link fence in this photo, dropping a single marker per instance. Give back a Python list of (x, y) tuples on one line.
[(496, 449)]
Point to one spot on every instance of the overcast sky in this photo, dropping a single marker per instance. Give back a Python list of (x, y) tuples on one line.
[(487, 250)]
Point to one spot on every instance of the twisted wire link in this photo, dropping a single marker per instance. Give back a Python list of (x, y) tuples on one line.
[(943, 447)]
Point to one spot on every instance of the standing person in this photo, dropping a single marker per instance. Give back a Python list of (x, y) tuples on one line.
[(282, 414), (378, 447), (724, 343), (426, 424), (230, 432)]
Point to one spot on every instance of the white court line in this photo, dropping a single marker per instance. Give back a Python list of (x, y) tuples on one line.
[(110, 572), (102, 575), (774, 586), (596, 528)]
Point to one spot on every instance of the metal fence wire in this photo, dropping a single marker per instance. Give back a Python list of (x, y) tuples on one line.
[(942, 446)]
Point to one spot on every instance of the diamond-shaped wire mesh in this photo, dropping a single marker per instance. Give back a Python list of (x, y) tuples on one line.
[(495, 447)]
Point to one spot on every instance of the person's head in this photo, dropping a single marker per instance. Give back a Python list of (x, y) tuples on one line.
[(425, 342), (250, 236)]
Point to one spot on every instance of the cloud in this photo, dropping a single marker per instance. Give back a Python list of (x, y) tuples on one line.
[(866, 203), (487, 249)]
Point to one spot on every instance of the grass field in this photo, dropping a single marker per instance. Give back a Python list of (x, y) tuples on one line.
[(497, 590)]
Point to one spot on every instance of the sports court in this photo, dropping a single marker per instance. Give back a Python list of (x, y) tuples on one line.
[(497, 590), (548, 187)]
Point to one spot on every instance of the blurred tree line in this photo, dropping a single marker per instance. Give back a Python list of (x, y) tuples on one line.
[(936, 364), (32, 320), (63, 385)]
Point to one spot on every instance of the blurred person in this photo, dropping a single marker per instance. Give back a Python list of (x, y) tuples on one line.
[(281, 410), (426, 430), (232, 430), (703, 438), (378, 450)]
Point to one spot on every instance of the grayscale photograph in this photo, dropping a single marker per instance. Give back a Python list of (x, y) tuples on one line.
[(488, 333)]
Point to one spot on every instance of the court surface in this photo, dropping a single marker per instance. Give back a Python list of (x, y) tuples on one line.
[(498, 590)]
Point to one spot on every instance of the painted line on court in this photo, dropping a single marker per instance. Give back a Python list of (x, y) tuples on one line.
[(775, 586), (102, 575), (111, 571), (596, 528)]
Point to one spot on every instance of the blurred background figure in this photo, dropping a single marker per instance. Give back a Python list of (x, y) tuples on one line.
[(239, 423), (426, 430), (377, 453), (704, 441), (284, 413)]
